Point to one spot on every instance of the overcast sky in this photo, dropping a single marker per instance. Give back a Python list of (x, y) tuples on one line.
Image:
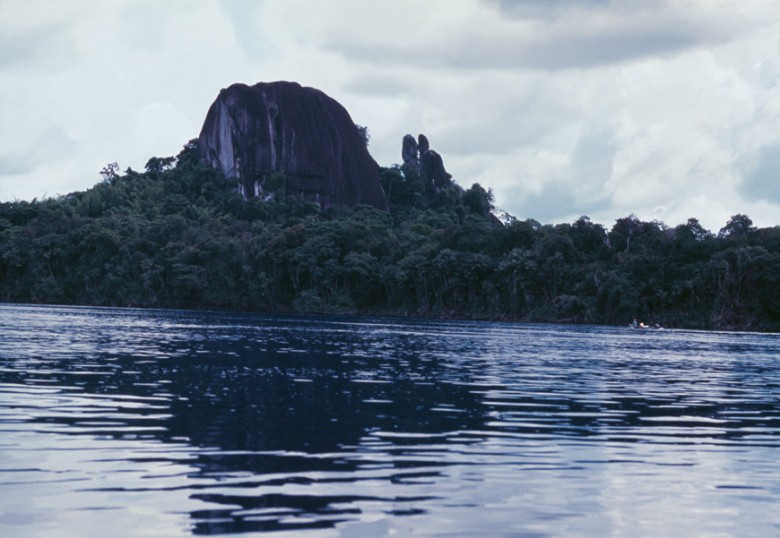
[(667, 110)]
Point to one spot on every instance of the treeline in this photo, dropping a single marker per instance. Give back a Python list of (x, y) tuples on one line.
[(177, 235)]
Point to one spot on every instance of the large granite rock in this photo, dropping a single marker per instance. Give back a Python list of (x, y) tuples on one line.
[(254, 132)]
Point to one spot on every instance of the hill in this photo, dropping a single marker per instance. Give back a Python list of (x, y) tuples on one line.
[(258, 134), (179, 235)]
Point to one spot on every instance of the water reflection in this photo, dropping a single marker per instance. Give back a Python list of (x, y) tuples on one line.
[(261, 423)]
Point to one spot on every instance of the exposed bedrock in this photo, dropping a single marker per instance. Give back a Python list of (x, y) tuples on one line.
[(418, 157), (295, 133)]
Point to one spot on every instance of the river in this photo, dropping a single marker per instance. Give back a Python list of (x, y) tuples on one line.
[(132, 422)]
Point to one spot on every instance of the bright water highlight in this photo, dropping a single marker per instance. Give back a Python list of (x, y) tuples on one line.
[(123, 422)]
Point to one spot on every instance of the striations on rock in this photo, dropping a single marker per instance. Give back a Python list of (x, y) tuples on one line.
[(254, 132)]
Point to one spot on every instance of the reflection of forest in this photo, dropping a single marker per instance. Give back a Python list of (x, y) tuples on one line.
[(303, 421), (290, 414), (310, 402)]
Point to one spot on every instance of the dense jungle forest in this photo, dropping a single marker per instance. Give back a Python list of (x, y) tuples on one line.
[(178, 235)]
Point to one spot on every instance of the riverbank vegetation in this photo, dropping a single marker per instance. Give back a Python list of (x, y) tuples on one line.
[(176, 235)]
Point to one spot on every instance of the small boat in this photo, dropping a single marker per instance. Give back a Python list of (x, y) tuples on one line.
[(635, 325)]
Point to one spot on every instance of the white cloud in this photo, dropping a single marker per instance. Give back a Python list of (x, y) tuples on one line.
[(667, 110)]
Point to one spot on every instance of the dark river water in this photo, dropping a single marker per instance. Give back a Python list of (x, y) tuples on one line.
[(123, 422)]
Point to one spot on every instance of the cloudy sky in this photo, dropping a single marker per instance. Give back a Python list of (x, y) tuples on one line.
[(664, 109)]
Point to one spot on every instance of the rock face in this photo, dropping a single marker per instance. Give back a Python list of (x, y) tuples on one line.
[(419, 157), (254, 132)]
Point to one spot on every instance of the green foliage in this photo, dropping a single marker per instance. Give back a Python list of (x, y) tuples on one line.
[(478, 200), (178, 235), (739, 227), (110, 172), (363, 132)]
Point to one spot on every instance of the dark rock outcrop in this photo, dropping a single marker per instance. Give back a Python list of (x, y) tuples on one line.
[(409, 151), (292, 132), (418, 157)]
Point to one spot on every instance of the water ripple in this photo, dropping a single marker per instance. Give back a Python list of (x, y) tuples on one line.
[(170, 423)]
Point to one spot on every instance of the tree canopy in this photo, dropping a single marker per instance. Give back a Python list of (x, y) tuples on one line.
[(178, 235)]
